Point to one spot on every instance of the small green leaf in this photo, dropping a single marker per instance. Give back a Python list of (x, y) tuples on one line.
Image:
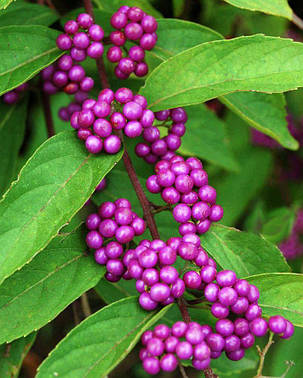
[(216, 68), (52, 186), (12, 126), (100, 342), (45, 286), (12, 355), (279, 224), (281, 294), (206, 138), (25, 50), (22, 13), (243, 252), (265, 113), (274, 7)]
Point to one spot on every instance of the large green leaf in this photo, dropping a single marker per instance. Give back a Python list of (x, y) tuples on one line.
[(45, 286), (206, 138), (236, 190), (275, 7), (284, 351), (52, 186), (227, 368), (5, 3), (281, 294), (175, 36), (12, 355), (25, 50), (12, 125), (100, 342), (113, 291), (22, 13), (212, 69), (264, 112), (244, 252)]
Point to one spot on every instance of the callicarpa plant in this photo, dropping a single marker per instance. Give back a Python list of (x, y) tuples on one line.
[(151, 219)]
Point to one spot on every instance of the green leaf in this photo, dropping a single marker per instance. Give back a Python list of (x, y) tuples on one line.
[(32, 49), (262, 111), (281, 294), (113, 5), (236, 190), (52, 186), (175, 36), (284, 351), (216, 68), (100, 342), (12, 355), (265, 113), (274, 7), (113, 291), (22, 13), (243, 252), (5, 3), (279, 224), (12, 126), (206, 138), (227, 368), (45, 286)]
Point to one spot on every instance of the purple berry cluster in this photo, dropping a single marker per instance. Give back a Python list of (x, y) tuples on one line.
[(82, 38), (164, 346), (133, 25), (292, 247), (184, 183), (157, 281), (113, 226), (155, 148), (13, 96), (98, 120), (65, 75)]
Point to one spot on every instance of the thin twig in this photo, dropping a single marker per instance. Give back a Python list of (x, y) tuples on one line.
[(208, 373), (262, 354), (75, 313), (297, 21), (182, 370), (140, 194), (85, 305), (183, 310)]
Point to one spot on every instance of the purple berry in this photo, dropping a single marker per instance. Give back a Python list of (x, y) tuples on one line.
[(151, 365), (277, 324), (258, 327), (94, 240), (94, 144)]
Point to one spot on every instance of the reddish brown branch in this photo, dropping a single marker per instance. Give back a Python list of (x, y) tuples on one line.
[(183, 310)]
